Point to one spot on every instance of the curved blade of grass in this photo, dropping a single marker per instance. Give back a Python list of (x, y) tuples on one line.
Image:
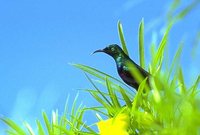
[(141, 44), (194, 88), (13, 126), (40, 129), (125, 97), (55, 117), (176, 59), (30, 130), (101, 101), (73, 110), (11, 132), (47, 123), (174, 5), (64, 130), (97, 73), (83, 125), (138, 95), (80, 117), (186, 10), (159, 54), (104, 97), (96, 109), (112, 94), (64, 115), (104, 93), (181, 81), (54, 121), (121, 36), (114, 85), (195, 45)]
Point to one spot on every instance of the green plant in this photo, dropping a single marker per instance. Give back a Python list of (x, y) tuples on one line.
[(69, 123), (169, 108)]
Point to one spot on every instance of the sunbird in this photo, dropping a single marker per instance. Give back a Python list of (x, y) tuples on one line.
[(123, 63)]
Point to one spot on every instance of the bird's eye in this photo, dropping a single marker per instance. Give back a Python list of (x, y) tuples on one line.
[(112, 49)]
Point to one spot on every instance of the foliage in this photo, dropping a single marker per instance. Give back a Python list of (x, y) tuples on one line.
[(170, 107), (69, 123)]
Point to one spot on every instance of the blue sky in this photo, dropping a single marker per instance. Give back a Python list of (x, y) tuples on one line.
[(39, 38)]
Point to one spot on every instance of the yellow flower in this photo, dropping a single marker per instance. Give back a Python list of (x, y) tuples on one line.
[(114, 126)]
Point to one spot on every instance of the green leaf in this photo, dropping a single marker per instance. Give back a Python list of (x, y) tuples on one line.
[(64, 130), (112, 94), (126, 98), (73, 111), (157, 61), (11, 132), (195, 86), (101, 101), (80, 117), (47, 123), (40, 129), (175, 60), (174, 5), (137, 98), (13, 126), (181, 81), (97, 73), (186, 10), (121, 36), (97, 109), (30, 130), (141, 44), (98, 90)]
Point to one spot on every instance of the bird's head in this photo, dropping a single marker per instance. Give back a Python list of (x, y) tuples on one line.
[(113, 50)]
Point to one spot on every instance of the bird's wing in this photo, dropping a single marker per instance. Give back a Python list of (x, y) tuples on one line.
[(127, 77), (135, 66)]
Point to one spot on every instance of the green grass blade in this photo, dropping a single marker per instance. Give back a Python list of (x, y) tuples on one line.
[(47, 123), (64, 131), (186, 10), (30, 130), (174, 5), (195, 45), (160, 53), (11, 132), (40, 128), (97, 109), (104, 97), (137, 99), (141, 44), (194, 88), (121, 36), (101, 101), (112, 94), (175, 60), (181, 81), (80, 117), (97, 73), (104, 93), (86, 128), (125, 97), (13, 126), (73, 111), (64, 115), (55, 120)]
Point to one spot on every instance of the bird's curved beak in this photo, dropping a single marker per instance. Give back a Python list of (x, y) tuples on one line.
[(100, 50)]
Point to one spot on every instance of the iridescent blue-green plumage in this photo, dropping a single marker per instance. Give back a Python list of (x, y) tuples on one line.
[(123, 69)]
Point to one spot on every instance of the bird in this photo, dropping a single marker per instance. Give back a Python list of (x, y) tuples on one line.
[(123, 68)]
